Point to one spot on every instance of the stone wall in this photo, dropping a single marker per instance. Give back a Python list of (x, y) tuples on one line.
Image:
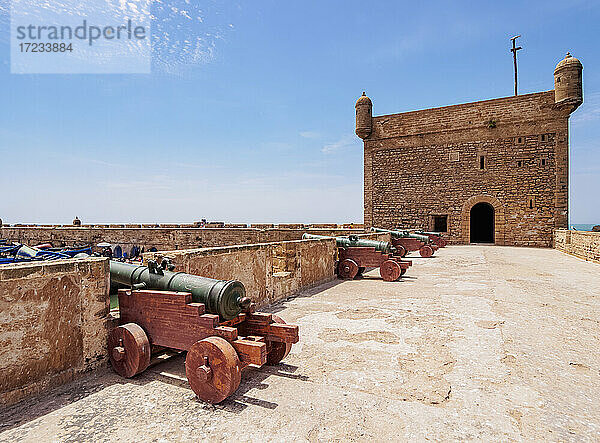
[(269, 271), (582, 244), (164, 237), (54, 316), (427, 163), (53, 323)]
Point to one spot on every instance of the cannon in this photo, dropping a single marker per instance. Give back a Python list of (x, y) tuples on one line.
[(354, 241), (222, 297), (153, 321), (435, 237), (411, 241), (355, 255)]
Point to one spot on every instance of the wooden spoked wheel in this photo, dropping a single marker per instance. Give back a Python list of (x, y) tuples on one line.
[(129, 350), (390, 270), (400, 250), (426, 251), (213, 369), (347, 269), (279, 350)]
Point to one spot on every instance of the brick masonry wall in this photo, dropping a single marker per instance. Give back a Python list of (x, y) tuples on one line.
[(425, 163), (582, 244), (53, 323), (269, 271), (161, 238)]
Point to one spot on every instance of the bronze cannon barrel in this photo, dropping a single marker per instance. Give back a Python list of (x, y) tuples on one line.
[(227, 298), (403, 234), (353, 241)]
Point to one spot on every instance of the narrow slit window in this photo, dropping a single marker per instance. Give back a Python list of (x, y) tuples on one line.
[(543, 162), (543, 137), (519, 163), (482, 162)]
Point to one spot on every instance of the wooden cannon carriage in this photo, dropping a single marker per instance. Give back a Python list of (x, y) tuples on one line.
[(405, 241), (217, 352), (436, 238), (356, 254), (413, 244), (354, 260)]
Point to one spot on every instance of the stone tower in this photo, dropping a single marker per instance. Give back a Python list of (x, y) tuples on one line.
[(568, 85), (492, 171), (364, 111)]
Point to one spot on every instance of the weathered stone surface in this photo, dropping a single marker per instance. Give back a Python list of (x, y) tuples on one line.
[(479, 344), (427, 163), (269, 271), (53, 323), (165, 237), (54, 316), (582, 244)]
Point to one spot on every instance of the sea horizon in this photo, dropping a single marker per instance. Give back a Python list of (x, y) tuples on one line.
[(583, 226)]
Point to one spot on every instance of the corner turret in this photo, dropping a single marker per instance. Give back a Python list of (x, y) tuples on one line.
[(568, 83), (364, 113)]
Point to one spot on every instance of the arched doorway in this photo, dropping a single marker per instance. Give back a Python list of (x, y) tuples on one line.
[(482, 223)]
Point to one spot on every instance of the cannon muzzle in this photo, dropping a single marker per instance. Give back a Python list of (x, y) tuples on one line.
[(227, 298)]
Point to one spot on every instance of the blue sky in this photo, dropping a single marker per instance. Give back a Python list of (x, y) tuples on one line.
[(252, 119)]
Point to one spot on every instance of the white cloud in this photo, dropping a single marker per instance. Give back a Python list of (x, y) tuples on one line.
[(276, 146), (344, 143), (309, 134), (589, 110)]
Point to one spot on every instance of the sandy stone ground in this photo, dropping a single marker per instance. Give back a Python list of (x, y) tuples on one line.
[(477, 343)]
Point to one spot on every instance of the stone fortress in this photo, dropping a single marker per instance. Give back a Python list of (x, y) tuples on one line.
[(485, 340), (493, 171)]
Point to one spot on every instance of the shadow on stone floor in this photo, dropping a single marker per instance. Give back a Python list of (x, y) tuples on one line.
[(173, 372), (57, 398), (282, 304), (307, 293), (170, 371), (254, 378)]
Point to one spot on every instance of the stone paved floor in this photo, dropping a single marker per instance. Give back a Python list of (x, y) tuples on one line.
[(478, 343)]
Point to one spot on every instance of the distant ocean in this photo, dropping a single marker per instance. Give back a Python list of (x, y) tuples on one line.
[(583, 227)]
